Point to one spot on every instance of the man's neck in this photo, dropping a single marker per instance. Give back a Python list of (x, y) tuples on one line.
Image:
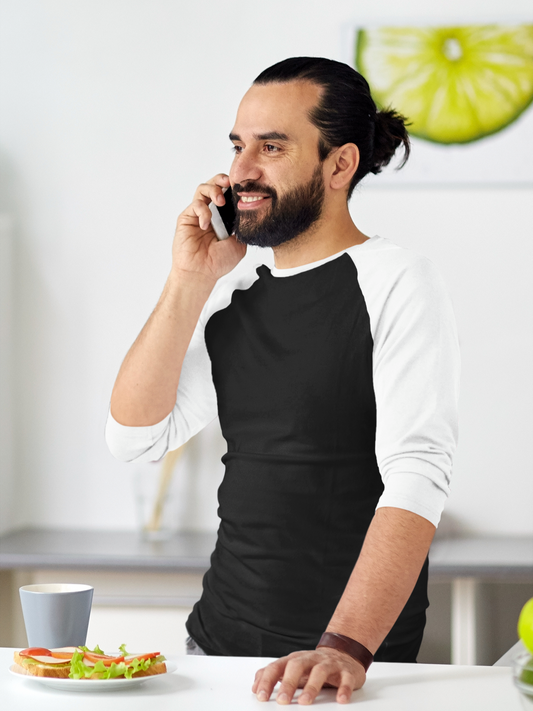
[(327, 237)]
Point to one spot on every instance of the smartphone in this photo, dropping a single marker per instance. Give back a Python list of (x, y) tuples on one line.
[(223, 218)]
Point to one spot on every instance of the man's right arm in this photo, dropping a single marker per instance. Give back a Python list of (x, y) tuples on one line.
[(145, 388)]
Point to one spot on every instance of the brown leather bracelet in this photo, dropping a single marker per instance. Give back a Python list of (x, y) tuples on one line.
[(348, 645)]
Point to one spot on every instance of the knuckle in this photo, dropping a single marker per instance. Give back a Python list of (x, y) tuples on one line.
[(294, 669), (270, 672), (293, 659), (348, 682), (199, 205), (312, 689), (321, 669)]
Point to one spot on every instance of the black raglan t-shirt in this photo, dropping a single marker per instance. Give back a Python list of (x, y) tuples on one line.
[(335, 385)]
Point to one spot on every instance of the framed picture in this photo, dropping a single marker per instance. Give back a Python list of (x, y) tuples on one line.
[(466, 91)]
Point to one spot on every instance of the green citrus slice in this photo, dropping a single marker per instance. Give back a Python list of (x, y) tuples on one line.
[(454, 84), (525, 625)]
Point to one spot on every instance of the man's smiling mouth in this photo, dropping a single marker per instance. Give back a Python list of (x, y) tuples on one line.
[(252, 202), (252, 199)]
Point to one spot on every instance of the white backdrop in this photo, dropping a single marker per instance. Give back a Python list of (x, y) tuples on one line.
[(112, 111)]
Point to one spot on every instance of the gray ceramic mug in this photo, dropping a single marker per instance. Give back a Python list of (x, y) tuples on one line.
[(56, 614)]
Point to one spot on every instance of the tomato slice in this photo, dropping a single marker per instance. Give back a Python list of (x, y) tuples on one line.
[(65, 652), (149, 655), (106, 659), (39, 651)]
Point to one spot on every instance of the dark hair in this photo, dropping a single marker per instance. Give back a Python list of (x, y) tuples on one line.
[(346, 112)]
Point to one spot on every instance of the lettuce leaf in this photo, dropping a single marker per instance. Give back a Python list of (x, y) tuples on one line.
[(96, 650), (79, 670)]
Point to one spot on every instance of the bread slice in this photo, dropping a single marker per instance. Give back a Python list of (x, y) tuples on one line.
[(62, 671)]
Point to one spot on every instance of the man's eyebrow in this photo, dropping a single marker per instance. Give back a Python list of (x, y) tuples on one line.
[(270, 136)]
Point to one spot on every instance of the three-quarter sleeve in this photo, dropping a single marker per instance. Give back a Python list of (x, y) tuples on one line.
[(416, 380)]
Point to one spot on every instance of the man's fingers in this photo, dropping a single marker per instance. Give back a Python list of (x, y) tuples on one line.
[(312, 670), (220, 179), (213, 190), (316, 681), (257, 679), (347, 685), (197, 210), (267, 678), (294, 670)]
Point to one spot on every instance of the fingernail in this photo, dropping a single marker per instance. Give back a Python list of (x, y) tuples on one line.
[(305, 699), (282, 698), (343, 699), (262, 695)]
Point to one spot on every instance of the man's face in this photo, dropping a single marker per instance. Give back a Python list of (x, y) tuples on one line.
[(276, 174)]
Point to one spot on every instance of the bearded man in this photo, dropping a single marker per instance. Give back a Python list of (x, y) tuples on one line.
[(334, 375)]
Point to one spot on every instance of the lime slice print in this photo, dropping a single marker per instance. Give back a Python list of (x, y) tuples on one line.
[(454, 84)]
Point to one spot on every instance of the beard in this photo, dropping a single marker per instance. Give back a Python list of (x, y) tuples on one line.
[(288, 216)]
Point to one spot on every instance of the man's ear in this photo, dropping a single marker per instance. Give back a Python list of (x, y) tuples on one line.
[(345, 161)]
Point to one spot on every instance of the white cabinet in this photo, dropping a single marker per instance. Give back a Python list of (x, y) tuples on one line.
[(151, 629)]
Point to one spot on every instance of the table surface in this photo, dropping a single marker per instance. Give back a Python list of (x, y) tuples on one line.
[(224, 683), (484, 558)]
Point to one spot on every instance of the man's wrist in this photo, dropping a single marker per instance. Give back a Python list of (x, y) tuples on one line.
[(349, 646), (191, 279)]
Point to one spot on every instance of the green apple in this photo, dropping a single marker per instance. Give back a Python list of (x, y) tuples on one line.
[(525, 625)]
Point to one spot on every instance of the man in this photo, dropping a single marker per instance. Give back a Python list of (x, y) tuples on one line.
[(334, 375)]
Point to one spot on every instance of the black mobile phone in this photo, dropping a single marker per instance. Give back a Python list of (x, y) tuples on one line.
[(223, 218)]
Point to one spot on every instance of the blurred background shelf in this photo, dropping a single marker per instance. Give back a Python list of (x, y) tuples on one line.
[(102, 550)]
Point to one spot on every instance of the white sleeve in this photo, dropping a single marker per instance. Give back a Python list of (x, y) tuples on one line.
[(196, 407), (196, 400), (416, 383)]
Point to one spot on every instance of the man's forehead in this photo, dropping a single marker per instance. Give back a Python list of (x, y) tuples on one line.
[(277, 108)]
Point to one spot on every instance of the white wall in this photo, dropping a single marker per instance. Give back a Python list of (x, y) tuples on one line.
[(112, 111), (6, 371)]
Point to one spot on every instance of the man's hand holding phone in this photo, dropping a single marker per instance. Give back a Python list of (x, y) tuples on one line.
[(196, 248), (145, 389)]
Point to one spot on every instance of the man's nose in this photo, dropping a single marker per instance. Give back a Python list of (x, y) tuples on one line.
[(245, 167)]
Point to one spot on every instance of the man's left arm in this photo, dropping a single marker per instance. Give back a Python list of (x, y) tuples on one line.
[(395, 548), (416, 377)]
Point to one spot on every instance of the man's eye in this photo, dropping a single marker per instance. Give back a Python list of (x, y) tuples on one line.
[(236, 149), (271, 149)]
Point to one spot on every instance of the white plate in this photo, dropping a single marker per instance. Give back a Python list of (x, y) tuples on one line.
[(92, 684)]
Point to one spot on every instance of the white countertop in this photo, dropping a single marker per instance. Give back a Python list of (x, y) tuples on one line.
[(224, 684)]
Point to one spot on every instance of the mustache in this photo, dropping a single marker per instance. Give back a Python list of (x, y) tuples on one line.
[(253, 186)]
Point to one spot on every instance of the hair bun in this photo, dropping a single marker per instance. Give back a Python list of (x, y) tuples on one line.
[(390, 134)]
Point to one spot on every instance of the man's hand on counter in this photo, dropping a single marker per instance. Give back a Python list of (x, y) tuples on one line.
[(310, 670), (395, 547)]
